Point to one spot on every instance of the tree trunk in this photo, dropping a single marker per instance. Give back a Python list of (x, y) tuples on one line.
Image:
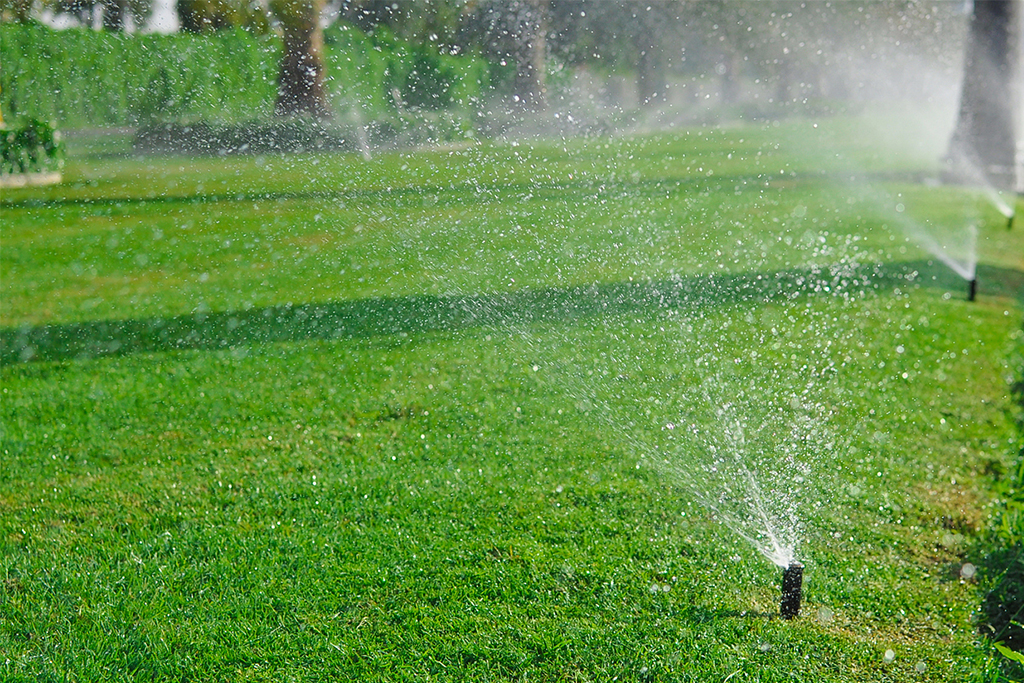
[(113, 15), (983, 147), (530, 55), (300, 82), (650, 77)]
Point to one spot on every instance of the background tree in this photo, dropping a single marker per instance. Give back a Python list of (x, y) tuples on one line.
[(514, 32), (983, 146), (639, 37), (418, 21), (204, 16), (19, 11), (111, 15), (300, 82)]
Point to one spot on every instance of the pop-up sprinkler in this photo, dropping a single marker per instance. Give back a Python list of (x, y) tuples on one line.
[(972, 289), (792, 590)]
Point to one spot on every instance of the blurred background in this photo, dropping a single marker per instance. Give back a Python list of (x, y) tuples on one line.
[(464, 68)]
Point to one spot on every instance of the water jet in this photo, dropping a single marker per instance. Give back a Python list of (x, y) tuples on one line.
[(792, 590)]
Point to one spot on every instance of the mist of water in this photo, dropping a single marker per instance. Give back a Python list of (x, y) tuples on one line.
[(749, 461), (748, 472), (958, 251), (975, 177), (1001, 205), (744, 441)]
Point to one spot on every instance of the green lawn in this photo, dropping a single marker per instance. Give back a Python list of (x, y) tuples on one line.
[(487, 413)]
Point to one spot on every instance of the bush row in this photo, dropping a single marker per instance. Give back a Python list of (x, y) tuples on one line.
[(82, 78), (32, 147)]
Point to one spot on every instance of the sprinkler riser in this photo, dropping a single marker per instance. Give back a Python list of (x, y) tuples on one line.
[(1009, 221), (792, 590), (972, 291)]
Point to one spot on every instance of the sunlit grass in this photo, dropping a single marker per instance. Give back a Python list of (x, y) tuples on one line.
[(482, 500), (129, 238)]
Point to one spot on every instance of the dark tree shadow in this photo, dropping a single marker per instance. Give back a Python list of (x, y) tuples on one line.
[(1003, 605), (424, 313), (474, 193)]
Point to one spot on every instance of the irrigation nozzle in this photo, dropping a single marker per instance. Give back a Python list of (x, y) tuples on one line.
[(792, 590), (1009, 220), (972, 289)]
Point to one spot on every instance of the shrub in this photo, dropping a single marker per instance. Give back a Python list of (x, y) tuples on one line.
[(84, 78), (33, 147)]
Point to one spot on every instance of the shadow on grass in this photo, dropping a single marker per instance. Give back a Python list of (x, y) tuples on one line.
[(445, 195), (424, 313), (1004, 603), (468, 193)]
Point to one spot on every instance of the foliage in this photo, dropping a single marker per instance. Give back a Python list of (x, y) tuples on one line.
[(206, 16), (33, 147), (86, 78), (1012, 655), (112, 14), (428, 82), (382, 73)]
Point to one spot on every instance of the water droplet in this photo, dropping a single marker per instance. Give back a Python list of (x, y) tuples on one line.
[(825, 615), (968, 571), (889, 656), (920, 667)]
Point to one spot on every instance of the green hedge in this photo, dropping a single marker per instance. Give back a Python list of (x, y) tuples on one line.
[(365, 71), (33, 147), (83, 78)]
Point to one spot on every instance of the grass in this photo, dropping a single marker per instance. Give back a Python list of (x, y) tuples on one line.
[(321, 418)]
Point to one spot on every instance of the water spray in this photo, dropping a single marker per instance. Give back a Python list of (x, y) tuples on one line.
[(1011, 211), (792, 590), (972, 289)]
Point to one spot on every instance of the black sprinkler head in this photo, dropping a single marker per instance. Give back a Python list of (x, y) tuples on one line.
[(792, 590), (1009, 221), (972, 289)]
